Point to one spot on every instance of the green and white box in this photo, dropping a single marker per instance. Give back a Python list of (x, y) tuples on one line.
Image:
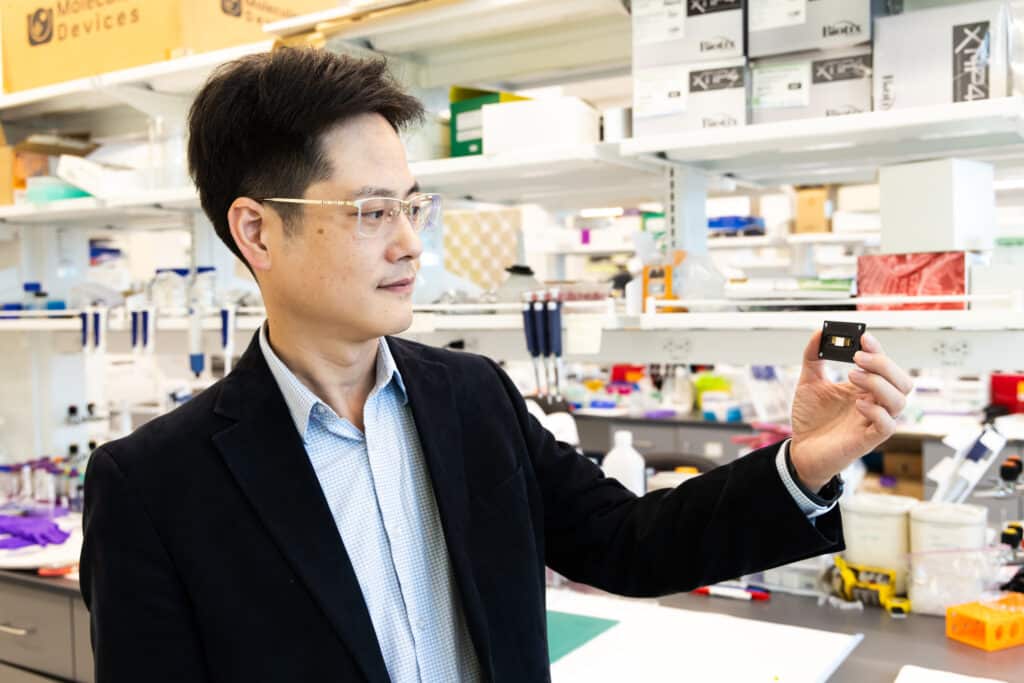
[(811, 85)]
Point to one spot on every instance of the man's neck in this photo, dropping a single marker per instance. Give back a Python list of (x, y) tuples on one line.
[(341, 373)]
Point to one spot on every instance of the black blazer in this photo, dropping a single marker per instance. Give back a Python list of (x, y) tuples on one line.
[(210, 553)]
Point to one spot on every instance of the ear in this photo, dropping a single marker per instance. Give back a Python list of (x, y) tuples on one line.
[(249, 223)]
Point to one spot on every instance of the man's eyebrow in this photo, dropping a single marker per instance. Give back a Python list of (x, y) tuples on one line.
[(373, 191)]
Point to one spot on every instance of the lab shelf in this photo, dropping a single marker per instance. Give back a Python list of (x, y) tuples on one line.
[(846, 148), (150, 209), (483, 41), (39, 324), (180, 76), (971, 340), (569, 177), (869, 239), (744, 242)]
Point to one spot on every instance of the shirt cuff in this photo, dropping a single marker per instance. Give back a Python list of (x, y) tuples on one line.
[(811, 504)]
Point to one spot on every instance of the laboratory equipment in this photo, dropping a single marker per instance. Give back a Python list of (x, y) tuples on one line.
[(957, 476), (532, 341), (876, 528), (947, 526), (870, 585), (941, 578), (990, 625), (625, 464)]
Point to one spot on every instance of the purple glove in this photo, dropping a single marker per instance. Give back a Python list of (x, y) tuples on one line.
[(14, 543), (35, 530)]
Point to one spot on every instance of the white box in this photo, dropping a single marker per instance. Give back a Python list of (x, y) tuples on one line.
[(810, 85), (98, 180), (938, 56), (783, 26), (856, 222), (684, 31), (861, 198), (541, 123), (672, 99), (936, 206)]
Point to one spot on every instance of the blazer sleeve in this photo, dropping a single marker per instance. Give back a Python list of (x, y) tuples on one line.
[(141, 619), (736, 519)]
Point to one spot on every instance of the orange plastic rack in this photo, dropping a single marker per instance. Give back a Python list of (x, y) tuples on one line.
[(991, 625)]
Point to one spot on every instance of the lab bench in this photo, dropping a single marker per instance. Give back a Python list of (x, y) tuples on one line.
[(57, 647), (44, 630)]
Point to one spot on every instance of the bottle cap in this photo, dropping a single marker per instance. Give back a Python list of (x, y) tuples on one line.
[(623, 439)]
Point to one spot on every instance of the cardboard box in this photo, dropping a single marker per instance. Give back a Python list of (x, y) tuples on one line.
[(216, 24), (814, 207), (63, 40), (466, 129), (859, 198), (46, 43), (782, 26), (912, 275), (669, 32), (669, 99), (811, 85), (967, 52), (6, 170), (943, 205), (874, 483), (543, 123), (903, 465)]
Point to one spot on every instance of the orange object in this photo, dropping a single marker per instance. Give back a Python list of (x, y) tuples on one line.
[(991, 626), (657, 282)]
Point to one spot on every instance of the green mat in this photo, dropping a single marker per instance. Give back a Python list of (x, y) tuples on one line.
[(567, 632)]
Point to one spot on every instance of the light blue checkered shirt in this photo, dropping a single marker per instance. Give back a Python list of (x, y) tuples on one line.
[(382, 500)]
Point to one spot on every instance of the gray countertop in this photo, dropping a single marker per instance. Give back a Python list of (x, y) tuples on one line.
[(888, 643)]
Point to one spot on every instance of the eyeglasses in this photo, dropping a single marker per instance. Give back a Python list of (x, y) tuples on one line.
[(374, 214)]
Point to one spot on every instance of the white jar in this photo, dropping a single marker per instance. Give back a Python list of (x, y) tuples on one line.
[(947, 526), (876, 529)]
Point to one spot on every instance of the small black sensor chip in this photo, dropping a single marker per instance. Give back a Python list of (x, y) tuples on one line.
[(840, 341)]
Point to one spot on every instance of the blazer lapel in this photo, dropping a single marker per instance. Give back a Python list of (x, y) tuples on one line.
[(268, 460), (435, 413)]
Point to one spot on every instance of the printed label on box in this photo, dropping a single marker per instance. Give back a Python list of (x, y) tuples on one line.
[(658, 21), (765, 15), (971, 54), (716, 79), (469, 125), (785, 85), (696, 8), (660, 92), (841, 69)]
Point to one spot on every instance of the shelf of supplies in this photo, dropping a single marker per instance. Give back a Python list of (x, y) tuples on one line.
[(482, 41), (588, 175), (150, 209), (847, 147), (970, 340), (180, 76)]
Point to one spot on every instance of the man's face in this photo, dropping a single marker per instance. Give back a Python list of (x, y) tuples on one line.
[(327, 275)]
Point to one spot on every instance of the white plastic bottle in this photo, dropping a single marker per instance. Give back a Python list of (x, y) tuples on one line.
[(624, 463)]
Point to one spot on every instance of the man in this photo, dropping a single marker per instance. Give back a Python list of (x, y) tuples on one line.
[(348, 506)]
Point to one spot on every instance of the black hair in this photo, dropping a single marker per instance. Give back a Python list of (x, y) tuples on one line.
[(256, 127)]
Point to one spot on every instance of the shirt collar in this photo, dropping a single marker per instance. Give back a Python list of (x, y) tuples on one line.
[(301, 400)]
